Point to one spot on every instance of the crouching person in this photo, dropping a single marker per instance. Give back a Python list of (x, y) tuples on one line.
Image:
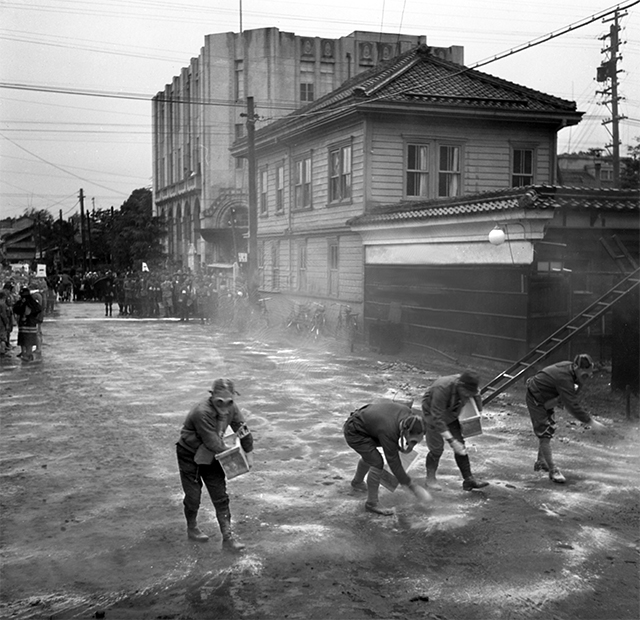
[(441, 406), (200, 440), (393, 427)]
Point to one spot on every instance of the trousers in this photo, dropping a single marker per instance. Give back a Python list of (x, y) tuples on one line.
[(193, 476)]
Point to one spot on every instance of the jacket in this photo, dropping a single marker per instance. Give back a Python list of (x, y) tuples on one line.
[(441, 403), (558, 382), (204, 425), (381, 422)]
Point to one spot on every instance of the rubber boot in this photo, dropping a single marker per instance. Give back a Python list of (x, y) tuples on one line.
[(229, 542), (373, 486), (432, 467), (469, 483)]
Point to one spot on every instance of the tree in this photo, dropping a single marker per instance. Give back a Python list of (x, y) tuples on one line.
[(137, 235), (630, 169)]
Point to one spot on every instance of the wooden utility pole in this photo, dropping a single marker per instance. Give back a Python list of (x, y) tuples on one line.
[(82, 236), (608, 70), (252, 265)]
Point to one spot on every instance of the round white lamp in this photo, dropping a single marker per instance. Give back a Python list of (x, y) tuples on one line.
[(497, 236)]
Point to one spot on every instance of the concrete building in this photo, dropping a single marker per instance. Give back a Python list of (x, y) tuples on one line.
[(198, 187)]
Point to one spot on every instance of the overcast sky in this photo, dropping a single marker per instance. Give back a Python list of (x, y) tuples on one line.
[(52, 144)]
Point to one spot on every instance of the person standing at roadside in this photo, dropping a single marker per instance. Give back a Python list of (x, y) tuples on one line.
[(5, 323), (393, 427), (201, 438), (28, 312), (441, 406), (557, 385)]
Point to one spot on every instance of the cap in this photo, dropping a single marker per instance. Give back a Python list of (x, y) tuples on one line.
[(470, 380), (584, 361), (223, 385)]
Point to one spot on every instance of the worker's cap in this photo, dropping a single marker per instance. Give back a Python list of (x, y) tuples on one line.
[(223, 388), (470, 380), (583, 361), (414, 425), (24, 291)]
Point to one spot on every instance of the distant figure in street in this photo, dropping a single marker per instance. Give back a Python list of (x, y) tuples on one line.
[(557, 385), (200, 440), (441, 406), (28, 313), (5, 323), (393, 427)]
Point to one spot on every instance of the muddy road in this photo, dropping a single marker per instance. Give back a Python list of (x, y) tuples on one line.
[(91, 514)]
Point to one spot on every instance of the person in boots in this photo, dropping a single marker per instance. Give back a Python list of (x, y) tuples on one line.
[(441, 406), (393, 427), (200, 440), (557, 384)]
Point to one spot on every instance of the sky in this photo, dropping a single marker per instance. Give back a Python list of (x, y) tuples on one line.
[(77, 77)]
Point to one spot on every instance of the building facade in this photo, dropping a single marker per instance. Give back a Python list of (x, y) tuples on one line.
[(198, 187), (415, 129)]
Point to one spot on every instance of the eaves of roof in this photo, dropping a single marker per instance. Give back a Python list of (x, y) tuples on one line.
[(419, 78), (539, 197)]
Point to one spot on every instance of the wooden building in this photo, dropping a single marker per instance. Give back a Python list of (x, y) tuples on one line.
[(414, 129)]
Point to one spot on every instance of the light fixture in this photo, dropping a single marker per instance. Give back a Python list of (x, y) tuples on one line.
[(497, 236)]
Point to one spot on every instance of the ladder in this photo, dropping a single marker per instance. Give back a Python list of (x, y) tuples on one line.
[(577, 324), (621, 256)]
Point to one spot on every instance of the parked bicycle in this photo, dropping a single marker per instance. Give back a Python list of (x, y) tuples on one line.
[(347, 325), (300, 319), (318, 321)]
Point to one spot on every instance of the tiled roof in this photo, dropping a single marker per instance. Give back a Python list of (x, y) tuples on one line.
[(530, 197), (419, 76)]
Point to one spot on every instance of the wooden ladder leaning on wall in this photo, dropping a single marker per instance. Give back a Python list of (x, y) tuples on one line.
[(577, 324)]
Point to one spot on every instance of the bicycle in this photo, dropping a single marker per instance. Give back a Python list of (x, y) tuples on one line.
[(318, 321), (348, 321), (299, 319)]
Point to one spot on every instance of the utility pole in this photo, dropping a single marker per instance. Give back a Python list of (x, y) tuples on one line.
[(608, 72), (82, 237), (252, 265), (89, 250)]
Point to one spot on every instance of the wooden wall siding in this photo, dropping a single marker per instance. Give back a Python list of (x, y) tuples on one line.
[(321, 215), (471, 310), (486, 153), (317, 281)]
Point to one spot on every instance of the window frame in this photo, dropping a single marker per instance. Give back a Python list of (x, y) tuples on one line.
[(513, 174), (449, 174), (279, 187), (333, 267), (263, 191), (303, 257), (302, 183), (340, 185), (422, 174)]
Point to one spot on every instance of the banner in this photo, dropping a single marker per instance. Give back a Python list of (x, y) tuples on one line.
[(42, 271)]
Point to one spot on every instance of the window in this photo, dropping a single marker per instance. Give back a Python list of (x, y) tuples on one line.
[(522, 172), (238, 130), (275, 265), (333, 260), (302, 265), (239, 81), (302, 183), (263, 192), (340, 174), (307, 79), (279, 188), (326, 78), (449, 171), (261, 264), (417, 170)]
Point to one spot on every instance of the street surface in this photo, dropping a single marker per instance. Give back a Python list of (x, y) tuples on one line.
[(91, 513)]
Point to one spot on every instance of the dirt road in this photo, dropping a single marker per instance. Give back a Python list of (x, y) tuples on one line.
[(91, 515)]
